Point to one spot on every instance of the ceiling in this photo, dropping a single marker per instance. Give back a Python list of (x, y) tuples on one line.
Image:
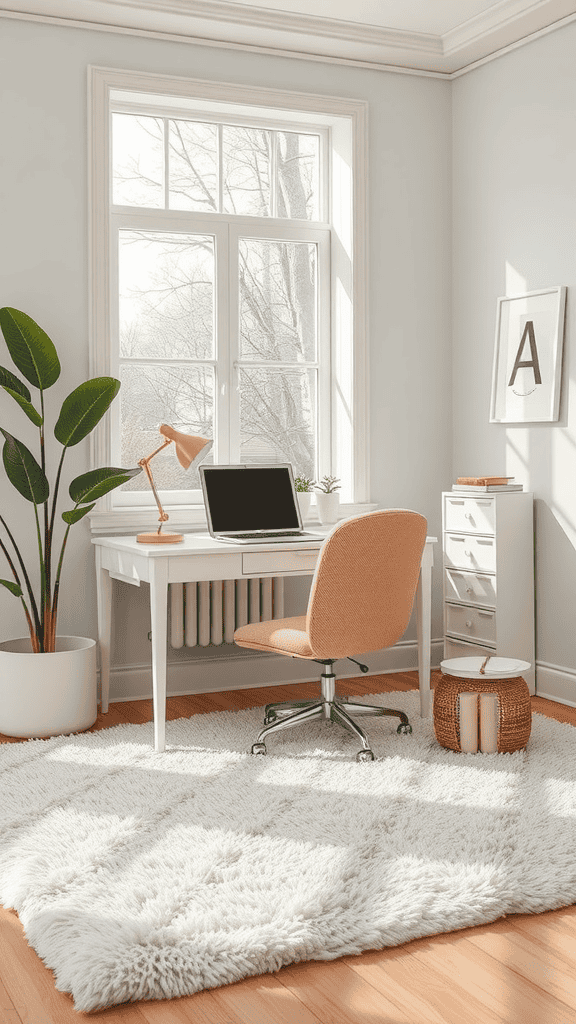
[(441, 37)]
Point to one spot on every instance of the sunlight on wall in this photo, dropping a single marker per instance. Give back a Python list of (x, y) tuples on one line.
[(518, 455), (563, 476), (344, 373), (341, 184), (341, 212), (515, 283)]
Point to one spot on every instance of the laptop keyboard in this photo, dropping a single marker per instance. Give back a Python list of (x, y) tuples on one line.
[(273, 536), (263, 536)]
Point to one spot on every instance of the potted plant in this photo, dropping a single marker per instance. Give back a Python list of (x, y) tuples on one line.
[(328, 499), (47, 682), (304, 488)]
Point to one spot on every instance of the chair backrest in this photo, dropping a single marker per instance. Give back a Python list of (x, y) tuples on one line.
[(365, 582)]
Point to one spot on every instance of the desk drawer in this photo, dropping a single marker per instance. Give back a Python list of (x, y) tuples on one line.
[(471, 587), (297, 561), (464, 649), (474, 515), (477, 624), (468, 552)]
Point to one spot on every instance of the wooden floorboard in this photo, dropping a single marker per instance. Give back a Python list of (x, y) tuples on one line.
[(519, 970)]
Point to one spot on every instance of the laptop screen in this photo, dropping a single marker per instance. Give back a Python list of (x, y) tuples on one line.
[(245, 499)]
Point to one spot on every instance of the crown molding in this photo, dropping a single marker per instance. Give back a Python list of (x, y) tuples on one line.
[(509, 23), (218, 22)]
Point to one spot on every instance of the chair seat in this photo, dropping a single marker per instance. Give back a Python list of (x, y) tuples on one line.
[(285, 636)]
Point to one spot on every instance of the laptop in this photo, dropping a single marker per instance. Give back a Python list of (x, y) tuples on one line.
[(252, 504)]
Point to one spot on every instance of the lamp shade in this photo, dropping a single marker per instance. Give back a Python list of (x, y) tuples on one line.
[(189, 448)]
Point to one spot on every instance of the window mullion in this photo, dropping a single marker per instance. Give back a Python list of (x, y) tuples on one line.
[(222, 335), (234, 346), (220, 169), (166, 163), (274, 174)]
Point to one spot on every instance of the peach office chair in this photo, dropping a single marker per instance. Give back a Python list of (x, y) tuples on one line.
[(361, 599)]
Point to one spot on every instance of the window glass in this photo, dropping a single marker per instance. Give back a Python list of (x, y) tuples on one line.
[(298, 175), (182, 396), (166, 295), (278, 417), (137, 160), (246, 158), (193, 166), (277, 300)]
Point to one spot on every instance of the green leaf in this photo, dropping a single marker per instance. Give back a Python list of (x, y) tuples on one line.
[(12, 587), (75, 514), (31, 349), (23, 471), (84, 408), (8, 380), (29, 409), (97, 482)]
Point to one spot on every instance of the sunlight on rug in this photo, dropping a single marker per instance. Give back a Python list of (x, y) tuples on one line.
[(139, 875)]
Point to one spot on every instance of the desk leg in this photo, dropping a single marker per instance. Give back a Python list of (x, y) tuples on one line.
[(424, 629), (158, 622), (104, 601)]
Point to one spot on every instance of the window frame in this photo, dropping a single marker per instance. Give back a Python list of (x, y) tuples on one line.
[(346, 450)]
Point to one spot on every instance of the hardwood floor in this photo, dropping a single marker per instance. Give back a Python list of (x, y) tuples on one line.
[(519, 970)]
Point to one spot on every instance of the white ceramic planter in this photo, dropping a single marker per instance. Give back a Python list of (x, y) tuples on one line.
[(45, 695), (328, 507), (304, 499)]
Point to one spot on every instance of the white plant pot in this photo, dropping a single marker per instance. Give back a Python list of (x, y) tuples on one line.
[(304, 499), (45, 695), (328, 507)]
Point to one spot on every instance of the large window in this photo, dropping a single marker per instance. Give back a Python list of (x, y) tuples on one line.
[(226, 306)]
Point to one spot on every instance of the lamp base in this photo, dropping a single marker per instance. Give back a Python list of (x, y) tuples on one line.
[(159, 538)]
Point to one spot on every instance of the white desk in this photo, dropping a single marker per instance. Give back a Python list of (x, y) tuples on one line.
[(199, 557)]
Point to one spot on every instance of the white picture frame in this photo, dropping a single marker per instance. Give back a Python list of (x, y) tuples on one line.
[(526, 373)]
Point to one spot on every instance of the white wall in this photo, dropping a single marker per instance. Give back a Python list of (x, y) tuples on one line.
[(514, 213), (44, 247)]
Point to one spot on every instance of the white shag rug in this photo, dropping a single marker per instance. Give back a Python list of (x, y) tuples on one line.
[(139, 875)]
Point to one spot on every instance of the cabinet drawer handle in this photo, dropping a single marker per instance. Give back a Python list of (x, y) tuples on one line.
[(467, 553), (469, 590), (468, 623), (468, 515)]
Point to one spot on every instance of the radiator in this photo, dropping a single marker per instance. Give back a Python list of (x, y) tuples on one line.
[(207, 613)]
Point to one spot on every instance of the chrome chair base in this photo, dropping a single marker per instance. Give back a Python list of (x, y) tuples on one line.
[(286, 714)]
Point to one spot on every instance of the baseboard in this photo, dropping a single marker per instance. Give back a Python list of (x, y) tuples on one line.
[(238, 672), (555, 682)]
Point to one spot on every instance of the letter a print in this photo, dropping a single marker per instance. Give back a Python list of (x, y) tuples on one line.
[(533, 362)]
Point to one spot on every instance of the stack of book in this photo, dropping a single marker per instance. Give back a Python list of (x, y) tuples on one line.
[(478, 720), (474, 484)]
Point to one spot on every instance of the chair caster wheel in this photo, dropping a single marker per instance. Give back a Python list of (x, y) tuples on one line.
[(404, 729), (364, 755), (258, 748)]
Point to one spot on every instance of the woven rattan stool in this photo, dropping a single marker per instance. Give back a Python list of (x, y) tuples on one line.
[(501, 676)]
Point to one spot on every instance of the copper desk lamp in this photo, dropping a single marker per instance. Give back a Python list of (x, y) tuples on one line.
[(190, 450)]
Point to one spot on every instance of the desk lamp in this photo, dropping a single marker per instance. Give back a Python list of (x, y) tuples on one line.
[(190, 451)]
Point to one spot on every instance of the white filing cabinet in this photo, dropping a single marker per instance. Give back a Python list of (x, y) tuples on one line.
[(488, 548)]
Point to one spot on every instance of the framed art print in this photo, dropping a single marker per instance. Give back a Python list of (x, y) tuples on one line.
[(528, 357)]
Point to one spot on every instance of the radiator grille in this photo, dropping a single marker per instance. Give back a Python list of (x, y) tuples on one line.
[(207, 613)]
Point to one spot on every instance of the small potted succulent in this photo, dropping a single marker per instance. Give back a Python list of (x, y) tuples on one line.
[(47, 681), (328, 499), (304, 488)]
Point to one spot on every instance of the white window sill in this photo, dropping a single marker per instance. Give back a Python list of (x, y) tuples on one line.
[(190, 518)]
